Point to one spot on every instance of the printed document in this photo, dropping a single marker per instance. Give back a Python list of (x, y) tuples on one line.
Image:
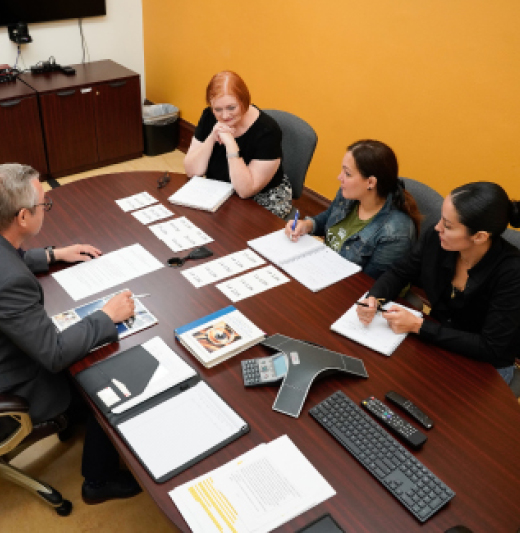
[(377, 335), (136, 201), (180, 234), (152, 214), (88, 278), (180, 429), (260, 280), (222, 268), (255, 493), (307, 260)]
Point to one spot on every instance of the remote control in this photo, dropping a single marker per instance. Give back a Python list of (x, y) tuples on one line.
[(410, 408), (398, 425)]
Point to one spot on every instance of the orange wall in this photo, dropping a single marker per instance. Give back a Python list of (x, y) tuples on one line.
[(439, 81)]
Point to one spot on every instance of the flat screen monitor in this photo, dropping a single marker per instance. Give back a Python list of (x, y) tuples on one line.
[(31, 11)]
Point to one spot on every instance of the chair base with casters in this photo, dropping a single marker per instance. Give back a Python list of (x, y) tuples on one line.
[(18, 433)]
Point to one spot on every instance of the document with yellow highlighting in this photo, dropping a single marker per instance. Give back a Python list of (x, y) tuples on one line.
[(255, 493)]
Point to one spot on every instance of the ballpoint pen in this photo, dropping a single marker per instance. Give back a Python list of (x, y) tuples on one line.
[(140, 295), (296, 217)]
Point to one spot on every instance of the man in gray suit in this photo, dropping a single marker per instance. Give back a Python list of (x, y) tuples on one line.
[(33, 354)]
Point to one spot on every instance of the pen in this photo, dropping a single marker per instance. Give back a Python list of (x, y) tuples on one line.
[(379, 307), (296, 217), (140, 295)]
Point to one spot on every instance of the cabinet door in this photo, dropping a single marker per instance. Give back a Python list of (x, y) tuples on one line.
[(21, 138), (118, 119), (70, 131)]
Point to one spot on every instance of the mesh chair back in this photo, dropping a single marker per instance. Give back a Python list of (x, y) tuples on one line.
[(298, 143), (512, 236), (428, 200)]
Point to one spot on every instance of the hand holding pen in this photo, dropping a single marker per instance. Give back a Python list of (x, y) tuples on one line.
[(367, 309), (294, 229)]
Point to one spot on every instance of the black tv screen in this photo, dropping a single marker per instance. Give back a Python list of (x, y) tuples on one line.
[(30, 11)]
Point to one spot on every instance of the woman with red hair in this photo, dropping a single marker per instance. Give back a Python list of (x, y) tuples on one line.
[(236, 142)]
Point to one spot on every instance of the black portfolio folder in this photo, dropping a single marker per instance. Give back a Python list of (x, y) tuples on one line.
[(134, 368)]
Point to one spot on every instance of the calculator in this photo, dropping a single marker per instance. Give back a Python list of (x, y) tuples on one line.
[(264, 370)]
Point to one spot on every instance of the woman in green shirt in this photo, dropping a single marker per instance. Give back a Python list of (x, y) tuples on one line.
[(372, 221)]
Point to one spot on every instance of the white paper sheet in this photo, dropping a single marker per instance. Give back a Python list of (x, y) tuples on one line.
[(255, 493), (136, 201), (88, 278), (152, 214), (180, 234), (171, 371), (222, 268), (180, 429), (260, 280)]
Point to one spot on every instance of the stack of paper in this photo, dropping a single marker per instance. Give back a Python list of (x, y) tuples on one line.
[(307, 260), (255, 493), (202, 193)]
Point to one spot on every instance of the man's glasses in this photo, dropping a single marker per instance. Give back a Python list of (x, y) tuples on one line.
[(163, 181), (47, 206)]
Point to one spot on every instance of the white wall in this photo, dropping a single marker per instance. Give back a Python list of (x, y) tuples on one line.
[(117, 36)]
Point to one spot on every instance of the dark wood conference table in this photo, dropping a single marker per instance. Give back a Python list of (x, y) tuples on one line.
[(473, 447)]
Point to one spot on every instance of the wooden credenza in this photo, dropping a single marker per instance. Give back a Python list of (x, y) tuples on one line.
[(21, 138), (88, 120)]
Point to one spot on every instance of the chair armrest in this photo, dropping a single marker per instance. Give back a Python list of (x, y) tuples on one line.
[(10, 403)]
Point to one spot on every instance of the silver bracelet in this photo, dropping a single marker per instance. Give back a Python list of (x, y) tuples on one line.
[(233, 154)]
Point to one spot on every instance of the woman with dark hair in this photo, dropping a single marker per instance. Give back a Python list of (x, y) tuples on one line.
[(471, 277), (236, 142), (372, 221)]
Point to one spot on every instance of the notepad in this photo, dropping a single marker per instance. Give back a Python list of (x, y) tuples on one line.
[(182, 429), (202, 193), (307, 260), (377, 335)]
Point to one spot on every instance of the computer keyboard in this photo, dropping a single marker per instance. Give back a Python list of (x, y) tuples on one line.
[(414, 485)]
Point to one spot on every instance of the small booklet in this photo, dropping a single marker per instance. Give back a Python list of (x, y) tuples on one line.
[(307, 260), (141, 320), (202, 193), (377, 335), (219, 336)]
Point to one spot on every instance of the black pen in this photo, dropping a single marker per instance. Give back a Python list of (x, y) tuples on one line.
[(379, 307)]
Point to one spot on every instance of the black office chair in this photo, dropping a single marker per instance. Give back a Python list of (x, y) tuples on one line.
[(18, 433), (298, 144), (428, 200)]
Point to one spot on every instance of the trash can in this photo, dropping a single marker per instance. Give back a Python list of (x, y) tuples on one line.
[(160, 128)]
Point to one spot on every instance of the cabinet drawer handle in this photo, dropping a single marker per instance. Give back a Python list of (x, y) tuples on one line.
[(117, 83), (66, 93), (11, 103)]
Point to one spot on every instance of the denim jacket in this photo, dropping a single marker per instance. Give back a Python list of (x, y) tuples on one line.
[(388, 237)]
